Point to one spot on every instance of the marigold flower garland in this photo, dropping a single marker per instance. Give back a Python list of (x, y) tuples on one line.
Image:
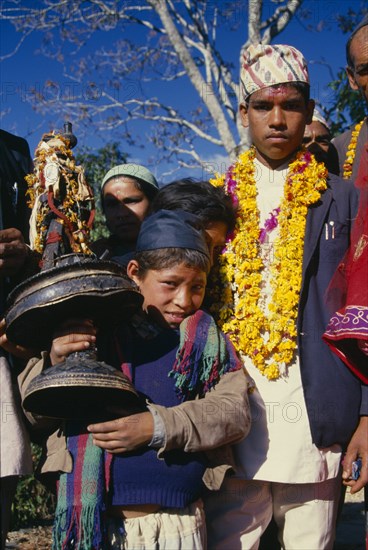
[(268, 338), (351, 150)]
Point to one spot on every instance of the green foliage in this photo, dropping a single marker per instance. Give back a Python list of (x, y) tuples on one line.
[(96, 164), (348, 107), (348, 22), (33, 503)]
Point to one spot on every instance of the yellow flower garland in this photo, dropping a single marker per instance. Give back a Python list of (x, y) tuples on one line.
[(351, 150), (268, 339)]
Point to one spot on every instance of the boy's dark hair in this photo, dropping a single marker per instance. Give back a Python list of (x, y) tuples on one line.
[(302, 87), (208, 203), (164, 258), (149, 190)]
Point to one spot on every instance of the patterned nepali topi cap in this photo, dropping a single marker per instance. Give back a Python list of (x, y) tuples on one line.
[(132, 170), (266, 65), (172, 229)]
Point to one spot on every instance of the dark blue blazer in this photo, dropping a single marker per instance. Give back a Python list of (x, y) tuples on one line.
[(15, 164), (335, 398)]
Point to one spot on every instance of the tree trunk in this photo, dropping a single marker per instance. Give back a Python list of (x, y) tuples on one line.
[(195, 76)]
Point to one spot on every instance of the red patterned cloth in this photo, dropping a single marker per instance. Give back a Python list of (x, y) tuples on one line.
[(350, 286)]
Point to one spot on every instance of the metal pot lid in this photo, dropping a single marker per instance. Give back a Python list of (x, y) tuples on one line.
[(77, 287)]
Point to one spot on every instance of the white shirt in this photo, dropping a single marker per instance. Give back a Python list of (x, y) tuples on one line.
[(279, 447), (15, 448)]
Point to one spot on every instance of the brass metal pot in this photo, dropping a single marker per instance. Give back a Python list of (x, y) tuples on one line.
[(76, 287)]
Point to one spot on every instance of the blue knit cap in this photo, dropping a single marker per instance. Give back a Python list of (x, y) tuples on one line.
[(172, 229)]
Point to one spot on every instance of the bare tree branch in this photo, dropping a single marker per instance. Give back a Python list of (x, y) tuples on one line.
[(116, 86), (276, 24)]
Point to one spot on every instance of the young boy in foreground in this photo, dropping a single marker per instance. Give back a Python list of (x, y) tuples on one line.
[(154, 465), (292, 229)]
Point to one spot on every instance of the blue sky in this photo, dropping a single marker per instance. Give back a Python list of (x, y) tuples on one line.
[(324, 49)]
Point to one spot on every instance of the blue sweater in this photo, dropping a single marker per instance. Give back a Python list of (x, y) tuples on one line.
[(140, 477)]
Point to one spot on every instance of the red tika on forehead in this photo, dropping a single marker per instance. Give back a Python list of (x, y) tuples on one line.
[(275, 90)]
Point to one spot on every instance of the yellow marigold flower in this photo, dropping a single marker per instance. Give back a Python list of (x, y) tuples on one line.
[(350, 153), (272, 372), (241, 266)]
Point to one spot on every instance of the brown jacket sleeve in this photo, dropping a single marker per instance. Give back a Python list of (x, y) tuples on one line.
[(220, 418), (56, 457), (33, 368)]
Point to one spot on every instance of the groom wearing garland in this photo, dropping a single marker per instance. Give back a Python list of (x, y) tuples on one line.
[(293, 227)]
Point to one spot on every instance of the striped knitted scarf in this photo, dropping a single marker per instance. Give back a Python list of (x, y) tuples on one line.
[(81, 494), (203, 356)]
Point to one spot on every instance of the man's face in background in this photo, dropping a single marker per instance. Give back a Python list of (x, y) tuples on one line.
[(358, 73)]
